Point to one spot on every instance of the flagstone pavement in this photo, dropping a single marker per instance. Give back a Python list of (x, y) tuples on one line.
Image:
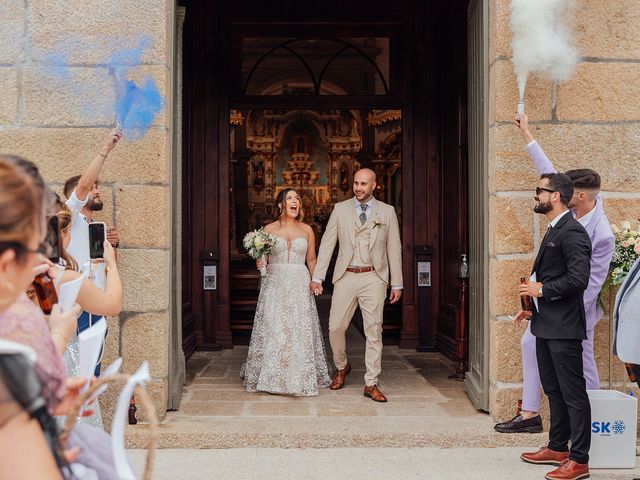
[(429, 429), (425, 408)]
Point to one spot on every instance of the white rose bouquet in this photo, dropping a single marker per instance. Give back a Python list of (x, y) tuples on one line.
[(258, 245), (626, 251)]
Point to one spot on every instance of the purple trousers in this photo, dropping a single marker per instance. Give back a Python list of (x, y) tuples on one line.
[(532, 388)]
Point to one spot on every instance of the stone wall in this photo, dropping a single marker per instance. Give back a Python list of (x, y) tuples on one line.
[(591, 121), (59, 119)]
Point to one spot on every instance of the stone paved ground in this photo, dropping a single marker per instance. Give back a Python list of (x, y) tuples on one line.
[(427, 430), (353, 464), (425, 409)]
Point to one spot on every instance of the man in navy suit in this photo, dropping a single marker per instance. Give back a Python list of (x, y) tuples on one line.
[(560, 275)]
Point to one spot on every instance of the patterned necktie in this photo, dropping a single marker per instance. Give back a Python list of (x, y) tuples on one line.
[(363, 215)]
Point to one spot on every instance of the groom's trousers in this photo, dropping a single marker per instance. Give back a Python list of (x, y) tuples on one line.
[(369, 291)]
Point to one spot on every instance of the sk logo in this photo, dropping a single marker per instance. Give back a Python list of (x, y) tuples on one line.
[(616, 427)]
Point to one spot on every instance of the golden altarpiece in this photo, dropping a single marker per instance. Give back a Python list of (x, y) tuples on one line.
[(316, 152)]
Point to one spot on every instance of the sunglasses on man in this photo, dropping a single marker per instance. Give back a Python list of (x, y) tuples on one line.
[(539, 190)]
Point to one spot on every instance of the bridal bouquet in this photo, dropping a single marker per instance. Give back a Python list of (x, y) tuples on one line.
[(626, 251), (258, 245)]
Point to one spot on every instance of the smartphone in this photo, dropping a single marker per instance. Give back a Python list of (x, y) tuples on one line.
[(52, 239), (97, 236)]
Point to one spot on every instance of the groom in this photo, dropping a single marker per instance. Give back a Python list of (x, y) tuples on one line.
[(369, 236)]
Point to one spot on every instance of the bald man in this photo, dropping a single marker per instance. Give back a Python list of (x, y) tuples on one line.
[(369, 260)]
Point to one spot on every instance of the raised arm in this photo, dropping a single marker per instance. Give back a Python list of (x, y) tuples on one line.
[(92, 172), (537, 155)]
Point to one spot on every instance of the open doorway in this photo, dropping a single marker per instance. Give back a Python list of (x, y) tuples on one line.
[(303, 96), (316, 152)]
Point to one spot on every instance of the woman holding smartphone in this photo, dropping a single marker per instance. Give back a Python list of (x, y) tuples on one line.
[(92, 299)]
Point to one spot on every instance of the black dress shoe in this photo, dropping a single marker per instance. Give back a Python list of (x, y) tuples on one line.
[(519, 425)]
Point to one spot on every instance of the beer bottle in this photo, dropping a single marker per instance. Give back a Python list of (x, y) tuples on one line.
[(45, 291), (133, 411), (525, 300)]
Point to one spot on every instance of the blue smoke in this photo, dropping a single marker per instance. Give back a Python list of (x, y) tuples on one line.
[(136, 104)]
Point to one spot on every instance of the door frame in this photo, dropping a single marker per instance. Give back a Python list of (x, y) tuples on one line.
[(477, 378)]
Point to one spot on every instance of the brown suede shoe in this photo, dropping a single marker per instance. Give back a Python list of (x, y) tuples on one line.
[(337, 381), (569, 470), (545, 456), (374, 393)]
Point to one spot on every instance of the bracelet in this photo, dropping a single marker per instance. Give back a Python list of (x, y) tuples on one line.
[(102, 154)]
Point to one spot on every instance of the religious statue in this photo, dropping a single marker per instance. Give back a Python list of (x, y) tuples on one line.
[(344, 178), (258, 179)]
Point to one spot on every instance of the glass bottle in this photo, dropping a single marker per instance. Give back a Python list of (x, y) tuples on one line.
[(133, 411), (45, 291), (464, 266), (525, 300)]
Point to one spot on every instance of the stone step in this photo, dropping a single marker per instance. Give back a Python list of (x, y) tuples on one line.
[(330, 432)]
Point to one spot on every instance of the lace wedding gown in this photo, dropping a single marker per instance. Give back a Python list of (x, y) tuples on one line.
[(286, 352)]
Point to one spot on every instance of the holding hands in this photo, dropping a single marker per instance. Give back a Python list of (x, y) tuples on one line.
[(316, 288)]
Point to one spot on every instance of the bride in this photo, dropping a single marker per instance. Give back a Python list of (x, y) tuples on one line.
[(286, 351)]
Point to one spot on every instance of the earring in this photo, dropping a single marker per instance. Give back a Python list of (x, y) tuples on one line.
[(8, 289)]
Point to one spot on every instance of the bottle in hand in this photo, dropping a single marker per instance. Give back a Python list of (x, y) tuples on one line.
[(133, 411), (525, 300), (45, 291)]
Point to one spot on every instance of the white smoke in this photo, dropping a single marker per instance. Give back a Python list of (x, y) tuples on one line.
[(542, 41)]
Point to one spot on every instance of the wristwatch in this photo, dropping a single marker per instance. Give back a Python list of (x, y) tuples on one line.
[(540, 291)]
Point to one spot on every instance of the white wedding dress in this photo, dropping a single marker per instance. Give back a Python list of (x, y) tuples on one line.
[(286, 352)]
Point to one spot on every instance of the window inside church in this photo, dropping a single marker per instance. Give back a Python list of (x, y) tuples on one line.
[(315, 66)]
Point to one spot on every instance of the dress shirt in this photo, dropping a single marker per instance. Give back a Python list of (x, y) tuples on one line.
[(584, 221)]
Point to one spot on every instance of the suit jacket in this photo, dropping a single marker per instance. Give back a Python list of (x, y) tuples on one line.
[(384, 242), (602, 242), (562, 266), (626, 315)]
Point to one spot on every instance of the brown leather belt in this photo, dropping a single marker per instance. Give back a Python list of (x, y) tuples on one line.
[(360, 269)]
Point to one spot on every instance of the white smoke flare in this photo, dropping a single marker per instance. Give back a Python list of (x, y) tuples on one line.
[(542, 41)]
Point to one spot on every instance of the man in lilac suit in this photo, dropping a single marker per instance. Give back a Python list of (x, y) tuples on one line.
[(586, 206)]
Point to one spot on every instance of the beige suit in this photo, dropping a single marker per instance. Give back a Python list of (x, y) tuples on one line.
[(375, 244)]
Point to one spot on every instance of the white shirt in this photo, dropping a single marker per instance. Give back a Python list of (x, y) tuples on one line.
[(584, 221), (79, 243), (555, 221)]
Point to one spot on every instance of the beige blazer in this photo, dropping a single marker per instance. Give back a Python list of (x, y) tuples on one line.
[(384, 242)]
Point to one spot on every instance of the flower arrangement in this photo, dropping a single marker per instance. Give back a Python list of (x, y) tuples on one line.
[(626, 251), (258, 244)]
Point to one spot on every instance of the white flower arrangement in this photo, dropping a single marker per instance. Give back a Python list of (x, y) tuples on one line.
[(258, 243), (626, 251)]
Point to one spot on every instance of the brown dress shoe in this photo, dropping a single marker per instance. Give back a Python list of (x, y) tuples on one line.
[(569, 470), (545, 456), (337, 381), (374, 393)]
